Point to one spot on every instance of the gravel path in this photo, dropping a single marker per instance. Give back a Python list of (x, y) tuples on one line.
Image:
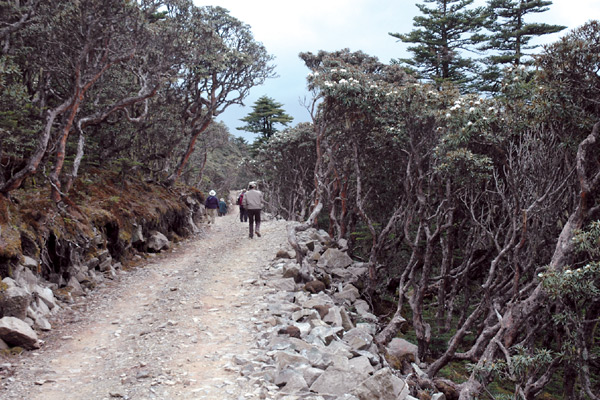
[(167, 330)]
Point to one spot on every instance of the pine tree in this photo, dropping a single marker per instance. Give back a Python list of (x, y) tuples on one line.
[(510, 35), (446, 29), (266, 112)]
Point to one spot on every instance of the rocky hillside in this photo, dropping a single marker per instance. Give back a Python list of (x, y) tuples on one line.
[(49, 250)]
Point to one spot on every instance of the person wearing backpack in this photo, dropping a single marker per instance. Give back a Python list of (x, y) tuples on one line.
[(252, 201), (243, 212), (212, 204)]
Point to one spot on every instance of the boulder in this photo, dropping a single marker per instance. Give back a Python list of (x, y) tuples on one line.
[(337, 382), (292, 271), (334, 258), (349, 294), (157, 242), (358, 339), (400, 351), (14, 302), (17, 333), (383, 385), (45, 294), (25, 278)]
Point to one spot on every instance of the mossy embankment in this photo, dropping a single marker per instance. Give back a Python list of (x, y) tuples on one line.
[(103, 212)]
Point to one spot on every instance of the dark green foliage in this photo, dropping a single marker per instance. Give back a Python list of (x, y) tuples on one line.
[(444, 32), (99, 82), (266, 113), (510, 36)]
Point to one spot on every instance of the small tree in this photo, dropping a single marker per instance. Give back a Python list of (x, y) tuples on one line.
[(266, 112)]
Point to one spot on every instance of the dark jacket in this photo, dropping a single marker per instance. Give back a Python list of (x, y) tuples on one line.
[(212, 202), (222, 207)]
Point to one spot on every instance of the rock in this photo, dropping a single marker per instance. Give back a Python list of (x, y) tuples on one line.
[(343, 244), (30, 263), (401, 351), (322, 309), (383, 385), (438, 396), (281, 253), (93, 263), (336, 382), (362, 307), (14, 302), (103, 256), (358, 339), (46, 295), (105, 265), (41, 323), (291, 331), (295, 383), (448, 388), (157, 242), (137, 236), (305, 315), (285, 359), (323, 334), (314, 287), (333, 317), (346, 320), (350, 294), (292, 271), (75, 287), (362, 363), (15, 333), (283, 284), (334, 258), (25, 278), (318, 299), (311, 374)]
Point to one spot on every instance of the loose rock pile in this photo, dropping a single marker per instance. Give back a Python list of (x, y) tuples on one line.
[(316, 340), (28, 301)]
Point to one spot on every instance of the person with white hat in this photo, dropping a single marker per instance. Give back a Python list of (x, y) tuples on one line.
[(252, 201), (211, 204)]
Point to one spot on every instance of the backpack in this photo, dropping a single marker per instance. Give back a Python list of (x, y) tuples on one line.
[(240, 199)]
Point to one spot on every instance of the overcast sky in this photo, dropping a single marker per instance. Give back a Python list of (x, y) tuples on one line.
[(287, 27)]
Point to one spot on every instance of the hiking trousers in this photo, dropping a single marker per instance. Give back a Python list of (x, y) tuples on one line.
[(243, 214), (212, 214), (254, 219)]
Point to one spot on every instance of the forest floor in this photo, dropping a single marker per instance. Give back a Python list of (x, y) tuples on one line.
[(169, 329)]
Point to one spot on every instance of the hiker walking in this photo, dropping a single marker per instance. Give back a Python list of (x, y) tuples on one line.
[(243, 212), (211, 204), (222, 207), (252, 202)]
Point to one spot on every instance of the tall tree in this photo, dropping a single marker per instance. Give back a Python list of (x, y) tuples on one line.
[(223, 63), (443, 32), (510, 35), (266, 112)]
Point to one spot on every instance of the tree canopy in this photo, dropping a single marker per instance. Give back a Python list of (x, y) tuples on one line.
[(262, 120)]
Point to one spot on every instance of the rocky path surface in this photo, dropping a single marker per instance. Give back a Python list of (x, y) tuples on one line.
[(170, 329)]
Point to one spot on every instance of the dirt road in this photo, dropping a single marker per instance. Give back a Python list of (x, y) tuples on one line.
[(168, 330)]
